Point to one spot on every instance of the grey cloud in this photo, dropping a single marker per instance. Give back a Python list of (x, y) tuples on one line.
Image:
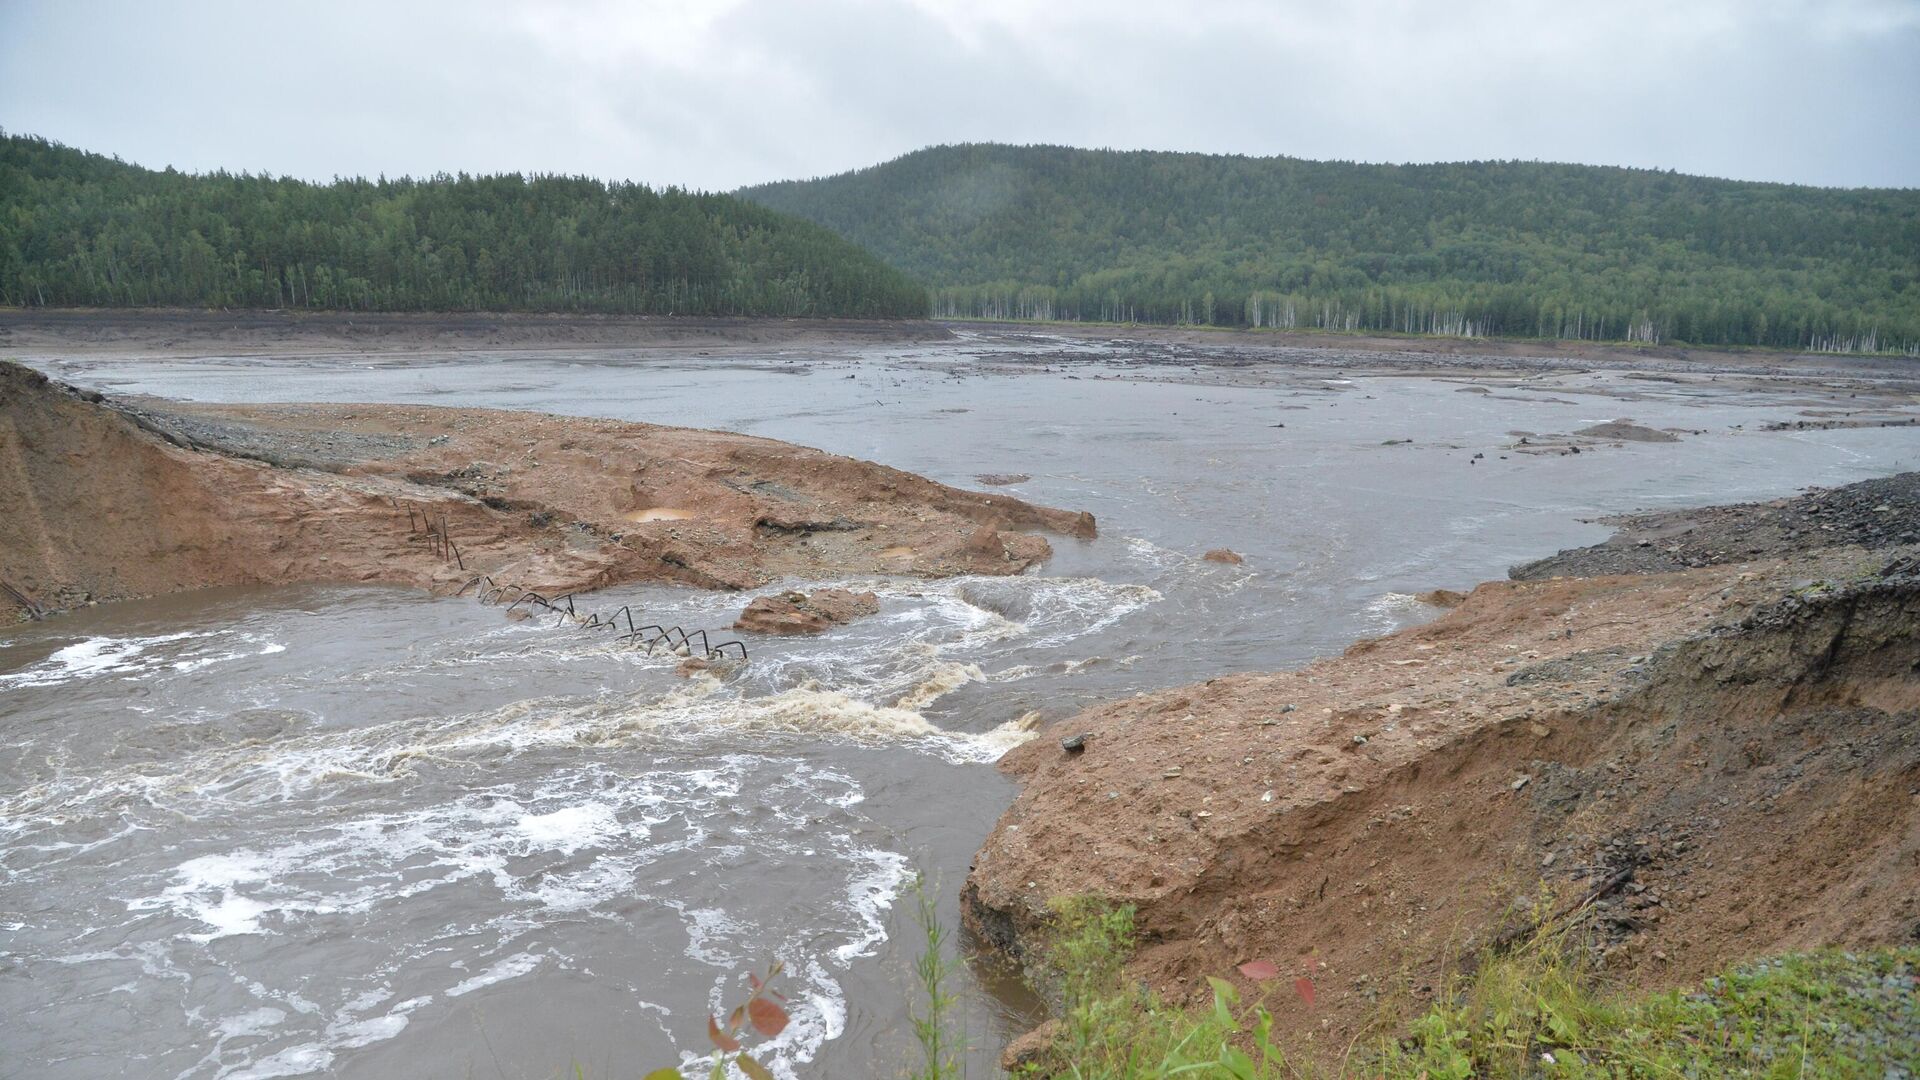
[(729, 92)]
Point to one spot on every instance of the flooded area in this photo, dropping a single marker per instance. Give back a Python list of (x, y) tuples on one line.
[(367, 832)]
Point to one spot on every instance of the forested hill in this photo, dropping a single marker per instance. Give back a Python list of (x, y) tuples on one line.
[(1488, 248), (81, 229)]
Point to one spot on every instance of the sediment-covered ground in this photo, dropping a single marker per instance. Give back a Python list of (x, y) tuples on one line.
[(1712, 748), (103, 500), (290, 333)]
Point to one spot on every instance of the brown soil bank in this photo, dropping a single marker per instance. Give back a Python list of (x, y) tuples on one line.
[(1723, 760), (101, 500)]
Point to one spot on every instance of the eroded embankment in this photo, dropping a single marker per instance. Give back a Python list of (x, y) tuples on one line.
[(1723, 760), (101, 500)]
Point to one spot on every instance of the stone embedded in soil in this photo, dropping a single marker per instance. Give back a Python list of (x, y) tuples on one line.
[(1029, 1049), (987, 542), (1224, 555), (806, 613)]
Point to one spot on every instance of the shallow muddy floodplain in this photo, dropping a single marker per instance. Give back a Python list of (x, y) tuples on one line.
[(367, 832)]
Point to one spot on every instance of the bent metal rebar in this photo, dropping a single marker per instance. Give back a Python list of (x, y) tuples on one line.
[(492, 593)]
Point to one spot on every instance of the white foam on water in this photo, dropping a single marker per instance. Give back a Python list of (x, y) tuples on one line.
[(870, 895), (206, 890), (1153, 555), (707, 929), (570, 828), (587, 842), (941, 681), (303, 1060), (702, 713), (1391, 611), (138, 657), (358, 1033), (196, 663), (584, 843), (511, 967), (253, 1022), (91, 657)]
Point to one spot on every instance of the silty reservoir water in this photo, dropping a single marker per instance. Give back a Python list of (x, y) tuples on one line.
[(364, 832)]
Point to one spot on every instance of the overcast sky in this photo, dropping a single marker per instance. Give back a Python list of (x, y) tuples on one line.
[(730, 92)]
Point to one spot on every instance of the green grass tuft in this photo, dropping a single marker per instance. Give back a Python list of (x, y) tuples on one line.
[(1538, 1011), (1113, 1028)]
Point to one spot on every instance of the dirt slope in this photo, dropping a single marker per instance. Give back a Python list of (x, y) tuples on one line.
[(1729, 754), (100, 500)]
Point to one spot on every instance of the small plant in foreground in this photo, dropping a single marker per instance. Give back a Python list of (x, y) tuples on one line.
[(1535, 1011), (932, 969), (763, 1011), (1114, 1029)]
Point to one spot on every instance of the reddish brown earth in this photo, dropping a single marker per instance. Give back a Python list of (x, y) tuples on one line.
[(101, 500), (1728, 754), (806, 612)]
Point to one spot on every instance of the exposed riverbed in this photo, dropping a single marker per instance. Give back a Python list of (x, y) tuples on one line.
[(373, 833)]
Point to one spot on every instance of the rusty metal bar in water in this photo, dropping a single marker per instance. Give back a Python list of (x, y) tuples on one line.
[(676, 638), (637, 631), (666, 636), (34, 611), (529, 595)]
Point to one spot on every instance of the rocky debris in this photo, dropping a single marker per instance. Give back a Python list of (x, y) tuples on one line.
[(1030, 1048), (1627, 431), (1833, 425), (1224, 555), (101, 499), (806, 613), (987, 542), (1871, 514), (287, 448), (720, 665)]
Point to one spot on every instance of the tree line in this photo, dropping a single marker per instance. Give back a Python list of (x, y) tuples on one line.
[(81, 229), (1523, 249)]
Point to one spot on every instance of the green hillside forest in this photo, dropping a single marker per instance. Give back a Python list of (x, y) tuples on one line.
[(1481, 248), (79, 229)]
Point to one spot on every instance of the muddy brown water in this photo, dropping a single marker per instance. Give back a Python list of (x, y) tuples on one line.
[(363, 832)]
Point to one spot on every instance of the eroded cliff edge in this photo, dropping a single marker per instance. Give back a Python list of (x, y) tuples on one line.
[(1721, 756), (103, 499)]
